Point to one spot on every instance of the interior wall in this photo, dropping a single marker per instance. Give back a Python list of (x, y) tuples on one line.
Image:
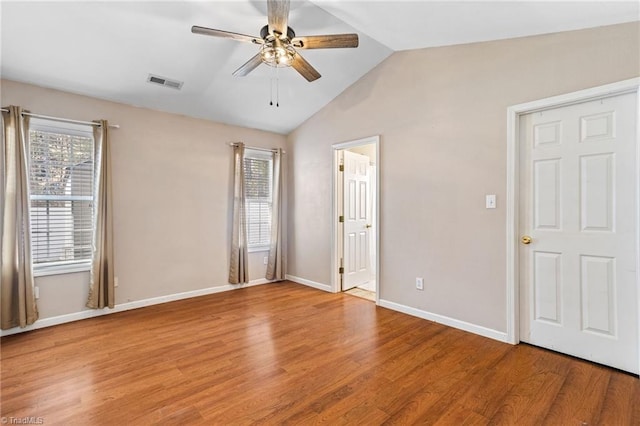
[(171, 195), (441, 117)]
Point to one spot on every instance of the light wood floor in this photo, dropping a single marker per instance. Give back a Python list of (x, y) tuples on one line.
[(363, 294), (285, 353)]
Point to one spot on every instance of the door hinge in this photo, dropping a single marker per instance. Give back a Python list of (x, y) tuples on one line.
[(341, 167), (341, 219), (341, 270)]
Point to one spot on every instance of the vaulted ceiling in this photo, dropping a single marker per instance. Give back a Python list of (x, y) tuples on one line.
[(108, 49)]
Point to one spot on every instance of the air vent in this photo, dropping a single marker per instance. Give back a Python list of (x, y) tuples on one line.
[(162, 81)]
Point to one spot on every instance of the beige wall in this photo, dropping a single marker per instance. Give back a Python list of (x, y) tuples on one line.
[(171, 189), (441, 116)]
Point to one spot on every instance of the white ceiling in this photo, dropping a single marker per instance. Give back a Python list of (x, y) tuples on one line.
[(107, 49)]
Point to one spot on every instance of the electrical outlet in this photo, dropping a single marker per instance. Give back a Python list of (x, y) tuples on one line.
[(36, 291), (266, 260), (115, 282), (419, 283)]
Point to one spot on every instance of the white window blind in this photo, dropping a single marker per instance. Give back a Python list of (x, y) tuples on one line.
[(61, 185), (258, 170)]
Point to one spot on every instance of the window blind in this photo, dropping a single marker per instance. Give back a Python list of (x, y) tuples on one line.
[(61, 192), (258, 197)]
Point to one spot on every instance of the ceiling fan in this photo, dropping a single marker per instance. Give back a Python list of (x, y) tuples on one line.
[(278, 42)]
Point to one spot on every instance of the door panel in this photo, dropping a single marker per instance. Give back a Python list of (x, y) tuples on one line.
[(356, 220), (597, 192), (598, 293), (578, 202), (547, 284), (546, 181)]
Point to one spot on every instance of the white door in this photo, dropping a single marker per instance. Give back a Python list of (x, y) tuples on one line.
[(356, 220), (578, 186)]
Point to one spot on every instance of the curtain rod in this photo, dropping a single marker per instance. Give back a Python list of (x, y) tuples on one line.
[(256, 149), (63, 120)]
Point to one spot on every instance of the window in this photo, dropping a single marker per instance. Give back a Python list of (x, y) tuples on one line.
[(258, 171), (61, 185)]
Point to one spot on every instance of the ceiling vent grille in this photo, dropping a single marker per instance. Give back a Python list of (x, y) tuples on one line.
[(162, 81)]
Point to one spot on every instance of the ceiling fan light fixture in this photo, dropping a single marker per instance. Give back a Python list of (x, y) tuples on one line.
[(277, 54)]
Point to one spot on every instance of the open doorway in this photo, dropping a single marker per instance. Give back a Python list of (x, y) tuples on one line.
[(356, 224)]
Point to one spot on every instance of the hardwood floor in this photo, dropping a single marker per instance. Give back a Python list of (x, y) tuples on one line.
[(363, 294), (285, 353)]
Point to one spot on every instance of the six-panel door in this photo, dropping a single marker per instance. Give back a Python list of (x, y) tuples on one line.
[(578, 192)]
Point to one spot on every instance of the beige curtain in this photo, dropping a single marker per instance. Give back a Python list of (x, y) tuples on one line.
[(275, 265), (238, 265), (101, 285), (17, 298)]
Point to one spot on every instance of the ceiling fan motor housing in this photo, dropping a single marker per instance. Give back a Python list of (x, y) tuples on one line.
[(264, 33)]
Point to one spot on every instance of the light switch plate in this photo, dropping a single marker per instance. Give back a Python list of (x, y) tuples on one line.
[(490, 201)]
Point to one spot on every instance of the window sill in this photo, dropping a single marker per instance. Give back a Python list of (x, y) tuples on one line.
[(258, 249), (59, 269)]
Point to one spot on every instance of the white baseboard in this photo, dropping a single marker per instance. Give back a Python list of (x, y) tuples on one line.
[(91, 313), (319, 286), (451, 322)]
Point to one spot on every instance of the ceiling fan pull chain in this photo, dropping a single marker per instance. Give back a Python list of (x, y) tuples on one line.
[(277, 88), (271, 91), (271, 88)]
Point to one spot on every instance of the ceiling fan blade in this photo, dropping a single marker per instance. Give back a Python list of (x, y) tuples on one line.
[(226, 34), (249, 66), (304, 68), (328, 41), (278, 15)]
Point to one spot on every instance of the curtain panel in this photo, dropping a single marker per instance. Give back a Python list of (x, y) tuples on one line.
[(275, 264), (102, 283), (239, 257), (17, 294)]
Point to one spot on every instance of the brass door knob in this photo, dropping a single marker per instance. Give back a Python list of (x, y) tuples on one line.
[(525, 239)]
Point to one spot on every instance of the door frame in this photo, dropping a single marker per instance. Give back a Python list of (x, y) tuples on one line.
[(513, 196), (335, 212)]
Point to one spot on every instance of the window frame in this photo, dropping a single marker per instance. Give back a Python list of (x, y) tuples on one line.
[(259, 155), (71, 129)]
